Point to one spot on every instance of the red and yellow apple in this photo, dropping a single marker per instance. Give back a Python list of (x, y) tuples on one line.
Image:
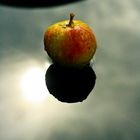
[(70, 43)]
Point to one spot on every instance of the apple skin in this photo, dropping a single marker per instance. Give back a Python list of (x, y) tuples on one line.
[(70, 46)]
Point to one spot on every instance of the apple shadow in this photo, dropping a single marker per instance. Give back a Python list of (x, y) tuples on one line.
[(68, 84)]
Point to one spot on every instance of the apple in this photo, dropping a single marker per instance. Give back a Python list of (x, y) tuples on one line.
[(70, 43)]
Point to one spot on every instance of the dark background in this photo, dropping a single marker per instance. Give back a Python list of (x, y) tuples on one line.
[(112, 109)]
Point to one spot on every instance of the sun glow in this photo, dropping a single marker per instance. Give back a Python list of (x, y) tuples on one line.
[(33, 85)]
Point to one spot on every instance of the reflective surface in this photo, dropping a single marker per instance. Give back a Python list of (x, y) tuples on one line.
[(111, 111)]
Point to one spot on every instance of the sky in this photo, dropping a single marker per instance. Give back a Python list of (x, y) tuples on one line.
[(111, 111)]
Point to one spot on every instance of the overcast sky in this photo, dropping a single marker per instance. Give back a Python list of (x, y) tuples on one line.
[(111, 111)]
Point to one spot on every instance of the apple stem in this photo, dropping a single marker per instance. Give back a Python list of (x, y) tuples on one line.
[(71, 19)]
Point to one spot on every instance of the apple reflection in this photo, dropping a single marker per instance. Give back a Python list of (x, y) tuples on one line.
[(68, 84)]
